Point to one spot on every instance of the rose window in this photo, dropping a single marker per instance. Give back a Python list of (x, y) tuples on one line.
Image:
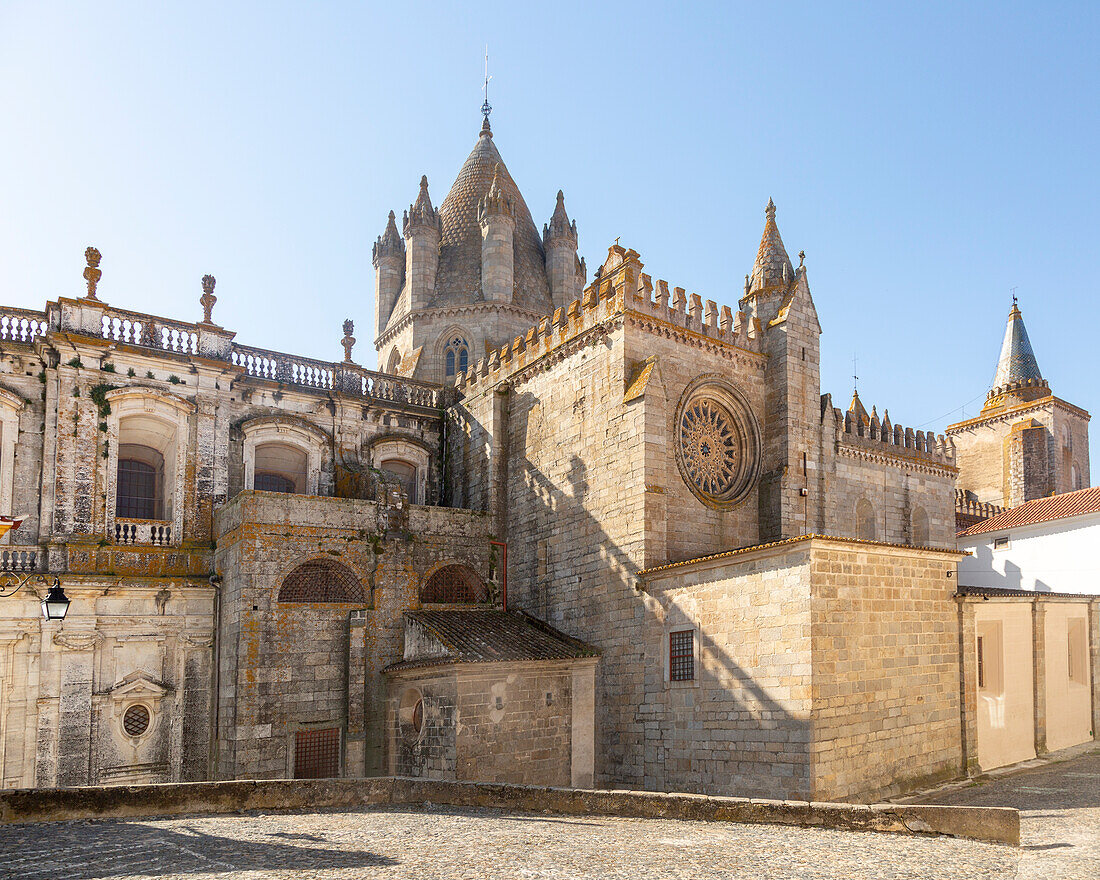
[(711, 448), (718, 443)]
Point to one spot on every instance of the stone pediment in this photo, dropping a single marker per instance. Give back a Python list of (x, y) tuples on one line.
[(137, 685)]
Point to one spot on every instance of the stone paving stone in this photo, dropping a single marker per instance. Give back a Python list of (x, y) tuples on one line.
[(434, 842), (1059, 806)]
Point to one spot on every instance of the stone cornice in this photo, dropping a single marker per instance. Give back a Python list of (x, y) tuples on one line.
[(1015, 412), (452, 312), (884, 456)]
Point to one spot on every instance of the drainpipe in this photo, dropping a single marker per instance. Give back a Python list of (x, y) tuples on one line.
[(504, 573)]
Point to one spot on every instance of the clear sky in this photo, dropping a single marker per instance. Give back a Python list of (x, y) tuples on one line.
[(927, 157)]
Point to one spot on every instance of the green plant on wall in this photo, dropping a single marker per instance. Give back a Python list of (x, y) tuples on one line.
[(98, 393)]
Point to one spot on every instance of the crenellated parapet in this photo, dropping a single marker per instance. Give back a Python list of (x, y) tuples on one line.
[(870, 435), (620, 289), (966, 505)]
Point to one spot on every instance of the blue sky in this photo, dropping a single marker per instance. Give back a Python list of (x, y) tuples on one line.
[(927, 157)]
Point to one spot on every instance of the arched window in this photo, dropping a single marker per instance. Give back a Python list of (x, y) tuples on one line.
[(145, 445), (405, 474), (456, 357), (865, 520), (919, 527), (322, 580), (1075, 477), (280, 467), (394, 362), (454, 584)]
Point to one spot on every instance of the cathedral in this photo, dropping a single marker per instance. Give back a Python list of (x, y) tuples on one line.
[(572, 532)]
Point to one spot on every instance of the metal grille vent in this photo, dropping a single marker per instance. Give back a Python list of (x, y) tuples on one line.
[(135, 721), (322, 580), (454, 584), (317, 753)]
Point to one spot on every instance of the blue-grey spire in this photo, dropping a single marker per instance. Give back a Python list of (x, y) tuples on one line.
[(1017, 362)]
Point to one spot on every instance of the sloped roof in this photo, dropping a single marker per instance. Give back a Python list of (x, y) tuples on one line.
[(1017, 361), (458, 279), (477, 635), (1040, 510)]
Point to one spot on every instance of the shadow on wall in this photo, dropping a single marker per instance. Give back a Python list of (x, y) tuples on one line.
[(718, 737), (1011, 579), (128, 848)]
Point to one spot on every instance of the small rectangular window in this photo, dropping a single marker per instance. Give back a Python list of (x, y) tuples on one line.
[(1000, 542), (1078, 650), (681, 655)]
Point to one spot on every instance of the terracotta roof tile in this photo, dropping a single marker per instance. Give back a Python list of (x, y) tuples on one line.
[(1041, 510)]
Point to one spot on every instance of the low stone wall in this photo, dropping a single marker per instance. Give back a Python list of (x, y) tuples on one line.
[(993, 824)]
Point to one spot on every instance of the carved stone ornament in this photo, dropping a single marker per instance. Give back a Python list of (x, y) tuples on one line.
[(717, 443), (197, 640), (208, 299), (76, 641), (92, 273), (348, 341)]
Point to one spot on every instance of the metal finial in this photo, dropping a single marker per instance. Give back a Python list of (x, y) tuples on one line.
[(1013, 297), (855, 375), (486, 107)]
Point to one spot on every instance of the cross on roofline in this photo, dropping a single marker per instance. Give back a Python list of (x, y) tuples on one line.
[(486, 107)]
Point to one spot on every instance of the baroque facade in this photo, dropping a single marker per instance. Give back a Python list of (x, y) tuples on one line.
[(572, 533)]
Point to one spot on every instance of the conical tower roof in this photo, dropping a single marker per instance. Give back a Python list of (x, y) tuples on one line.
[(1017, 362), (771, 257), (458, 279)]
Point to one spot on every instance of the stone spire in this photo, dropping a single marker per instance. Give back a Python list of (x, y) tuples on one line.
[(1017, 362), (421, 213), (559, 226), (389, 243), (857, 410), (772, 267)]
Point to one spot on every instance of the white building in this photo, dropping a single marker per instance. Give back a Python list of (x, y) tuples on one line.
[(1048, 545)]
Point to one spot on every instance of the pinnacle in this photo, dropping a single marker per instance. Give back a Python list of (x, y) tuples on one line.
[(559, 226), (772, 267), (421, 211), (858, 410), (1017, 361)]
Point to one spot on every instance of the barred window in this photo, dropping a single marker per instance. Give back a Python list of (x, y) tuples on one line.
[(268, 482), (137, 490), (322, 580), (454, 584), (681, 655), (317, 753)]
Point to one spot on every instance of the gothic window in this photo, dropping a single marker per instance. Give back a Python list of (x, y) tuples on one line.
[(456, 357), (865, 520), (919, 523), (718, 443), (405, 473), (453, 584), (322, 580)]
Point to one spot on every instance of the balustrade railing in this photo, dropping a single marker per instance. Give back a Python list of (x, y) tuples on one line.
[(16, 558), (138, 329), (21, 325), (143, 531)]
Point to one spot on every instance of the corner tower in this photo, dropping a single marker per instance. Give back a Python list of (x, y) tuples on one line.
[(1026, 443), (476, 272)]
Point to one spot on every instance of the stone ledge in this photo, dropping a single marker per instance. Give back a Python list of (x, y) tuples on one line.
[(991, 824)]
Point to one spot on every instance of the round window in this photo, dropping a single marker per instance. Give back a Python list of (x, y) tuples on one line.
[(135, 721), (717, 443)]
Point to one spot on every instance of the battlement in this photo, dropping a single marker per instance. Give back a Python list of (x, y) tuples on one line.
[(967, 506), (619, 286), (872, 435)]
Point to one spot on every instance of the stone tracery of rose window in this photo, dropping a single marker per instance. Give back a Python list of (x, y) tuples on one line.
[(718, 443)]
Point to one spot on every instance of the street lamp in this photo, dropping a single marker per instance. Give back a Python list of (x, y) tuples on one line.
[(56, 604)]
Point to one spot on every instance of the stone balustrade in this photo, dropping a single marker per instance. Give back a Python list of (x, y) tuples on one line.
[(15, 557), (21, 325), (143, 531)]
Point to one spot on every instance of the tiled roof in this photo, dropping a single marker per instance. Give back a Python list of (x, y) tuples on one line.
[(476, 635), (458, 278), (995, 592), (1017, 361), (1041, 510), (771, 257)]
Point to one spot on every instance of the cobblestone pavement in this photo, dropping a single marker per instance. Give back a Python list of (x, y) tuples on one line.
[(402, 842), (1059, 806)]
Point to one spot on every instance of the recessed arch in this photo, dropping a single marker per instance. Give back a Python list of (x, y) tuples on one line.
[(323, 581), (866, 525), (453, 583), (919, 527)]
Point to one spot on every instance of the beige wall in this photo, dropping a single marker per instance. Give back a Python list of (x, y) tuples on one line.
[(1068, 703), (1005, 716)]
